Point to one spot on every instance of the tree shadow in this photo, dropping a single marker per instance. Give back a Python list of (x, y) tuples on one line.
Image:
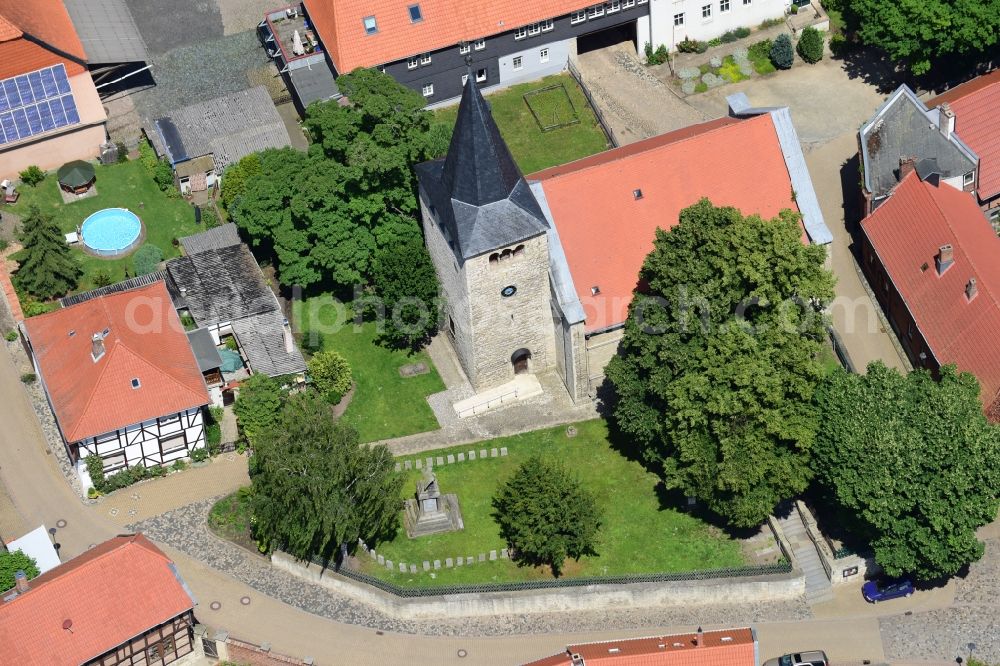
[(873, 66)]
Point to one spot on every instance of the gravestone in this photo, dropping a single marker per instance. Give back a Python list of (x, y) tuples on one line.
[(482, 453), (381, 559), (493, 555), (461, 457), (482, 557), (427, 565), (437, 564), (430, 512), (399, 467), (504, 554), (472, 455), (440, 460), (451, 459), (402, 567), (413, 568), (419, 464), (429, 463), (373, 554), (468, 560), (494, 453), (503, 450), (388, 565), (459, 561), (448, 562), (407, 465)]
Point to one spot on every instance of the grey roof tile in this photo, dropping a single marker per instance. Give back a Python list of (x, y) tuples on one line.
[(212, 239), (107, 31)]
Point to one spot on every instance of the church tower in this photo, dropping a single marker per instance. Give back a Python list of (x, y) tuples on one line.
[(486, 234)]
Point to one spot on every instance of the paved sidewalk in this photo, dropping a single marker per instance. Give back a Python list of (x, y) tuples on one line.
[(222, 475)]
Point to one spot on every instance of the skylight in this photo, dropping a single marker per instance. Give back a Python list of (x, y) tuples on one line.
[(371, 27), (135, 383), (637, 193), (415, 15)]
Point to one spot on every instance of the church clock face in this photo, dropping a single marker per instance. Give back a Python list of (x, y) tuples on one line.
[(508, 291)]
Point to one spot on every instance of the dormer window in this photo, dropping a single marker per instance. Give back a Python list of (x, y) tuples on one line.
[(371, 27), (969, 179), (415, 15)]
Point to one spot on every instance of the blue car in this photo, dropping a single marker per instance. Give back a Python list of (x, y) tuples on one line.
[(882, 589)]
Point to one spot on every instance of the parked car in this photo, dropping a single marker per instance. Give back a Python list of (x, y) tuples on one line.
[(810, 658), (881, 589)]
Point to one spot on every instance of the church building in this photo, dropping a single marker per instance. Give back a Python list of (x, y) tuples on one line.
[(538, 271)]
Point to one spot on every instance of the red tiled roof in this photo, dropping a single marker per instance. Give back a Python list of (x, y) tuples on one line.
[(146, 341), (47, 21), (728, 647), (8, 30), (906, 232), (976, 104), (606, 233), (20, 56), (445, 22), (111, 593)]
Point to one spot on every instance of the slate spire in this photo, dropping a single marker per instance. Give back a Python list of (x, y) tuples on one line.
[(479, 168)]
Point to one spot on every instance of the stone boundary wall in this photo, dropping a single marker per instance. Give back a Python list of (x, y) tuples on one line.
[(776, 587), (436, 565), (450, 459)]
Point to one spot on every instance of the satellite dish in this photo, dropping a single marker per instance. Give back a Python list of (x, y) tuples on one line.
[(67, 625)]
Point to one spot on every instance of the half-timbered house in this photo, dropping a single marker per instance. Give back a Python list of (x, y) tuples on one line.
[(77, 614), (121, 378)]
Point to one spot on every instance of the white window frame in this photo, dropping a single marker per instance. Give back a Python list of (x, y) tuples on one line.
[(420, 13), (548, 25), (479, 44), (464, 47), (747, 2), (380, 68), (725, 6), (465, 79), (642, 2), (520, 33), (679, 19), (485, 74), (706, 12), (370, 30), (427, 90), (578, 17), (412, 63), (595, 11), (518, 62), (425, 58), (628, 4), (543, 55), (613, 7), (534, 29), (114, 467), (172, 441), (968, 179)]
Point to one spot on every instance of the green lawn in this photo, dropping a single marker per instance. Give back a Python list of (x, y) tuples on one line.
[(384, 405), (533, 149), (637, 533), (124, 185)]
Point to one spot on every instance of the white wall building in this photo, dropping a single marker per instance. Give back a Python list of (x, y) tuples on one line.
[(672, 21)]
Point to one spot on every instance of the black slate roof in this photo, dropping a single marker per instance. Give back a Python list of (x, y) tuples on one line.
[(477, 191), (220, 285)]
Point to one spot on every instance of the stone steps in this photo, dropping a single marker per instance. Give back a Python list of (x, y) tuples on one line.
[(818, 587)]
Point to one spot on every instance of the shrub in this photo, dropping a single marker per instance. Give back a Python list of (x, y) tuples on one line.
[(147, 157), (199, 454), (838, 44), (147, 259), (794, 9), (231, 344), (742, 32), (331, 374), (810, 46), (95, 468), (32, 176), (728, 37), (163, 175), (716, 41), (781, 52), (102, 278), (32, 308), (691, 46), (179, 465), (28, 378), (770, 23), (657, 57), (122, 152), (760, 50), (10, 336), (4, 244)]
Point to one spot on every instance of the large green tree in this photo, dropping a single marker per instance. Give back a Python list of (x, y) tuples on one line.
[(718, 363), (406, 288), (11, 563), (913, 465), (918, 32), (324, 214), (47, 268), (546, 515), (316, 489), (258, 406)]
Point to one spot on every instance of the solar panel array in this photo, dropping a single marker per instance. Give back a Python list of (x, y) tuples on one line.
[(36, 102)]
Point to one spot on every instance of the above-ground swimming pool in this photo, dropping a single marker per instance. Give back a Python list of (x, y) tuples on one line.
[(111, 231)]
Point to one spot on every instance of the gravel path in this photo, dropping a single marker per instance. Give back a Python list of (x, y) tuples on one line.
[(945, 634), (186, 530)]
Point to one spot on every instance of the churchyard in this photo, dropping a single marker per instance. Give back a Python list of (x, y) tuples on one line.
[(384, 403), (642, 531), (124, 185), (557, 102)]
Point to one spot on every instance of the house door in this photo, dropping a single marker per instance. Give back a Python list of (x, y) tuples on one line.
[(520, 360)]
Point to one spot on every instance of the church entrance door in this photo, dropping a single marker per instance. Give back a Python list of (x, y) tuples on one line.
[(519, 360)]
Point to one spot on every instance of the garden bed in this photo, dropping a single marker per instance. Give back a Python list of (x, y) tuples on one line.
[(642, 530)]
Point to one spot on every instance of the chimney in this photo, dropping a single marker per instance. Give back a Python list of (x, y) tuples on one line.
[(906, 166), (945, 258), (97, 346), (946, 120), (21, 582), (699, 638), (184, 291), (971, 289)]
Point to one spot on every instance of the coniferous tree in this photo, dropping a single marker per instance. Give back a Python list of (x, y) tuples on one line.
[(47, 268)]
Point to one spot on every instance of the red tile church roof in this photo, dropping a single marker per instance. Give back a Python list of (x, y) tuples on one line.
[(606, 232), (906, 233)]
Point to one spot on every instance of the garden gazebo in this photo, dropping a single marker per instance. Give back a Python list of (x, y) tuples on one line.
[(76, 177)]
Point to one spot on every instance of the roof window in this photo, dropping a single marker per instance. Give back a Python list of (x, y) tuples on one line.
[(136, 383), (637, 193), (595, 290), (371, 27), (415, 15)]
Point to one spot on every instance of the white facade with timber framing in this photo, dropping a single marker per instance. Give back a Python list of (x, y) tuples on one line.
[(121, 377)]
